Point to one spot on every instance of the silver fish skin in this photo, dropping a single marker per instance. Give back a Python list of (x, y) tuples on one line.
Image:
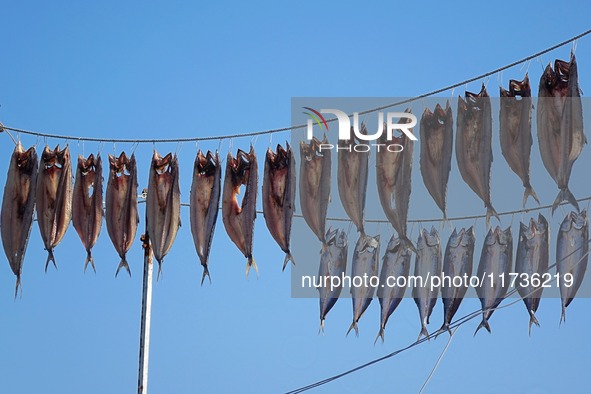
[(436, 130), (163, 205), (393, 175), (427, 265), (18, 204), (364, 265), (457, 261), (572, 255), (560, 124), (352, 173), (531, 261), (496, 259), (515, 131), (204, 203), (54, 197), (395, 264), (474, 145), (87, 205), (315, 174), (121, 206), (239, 219), (333, 262), (279, 188)]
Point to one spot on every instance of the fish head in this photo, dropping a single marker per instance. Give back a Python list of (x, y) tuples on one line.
[(505, 237), (26, 161), (86, 166), (427, 238), (455, 238), (336, 237), (580, 220), (207, 165), (53, 161), (575, 220)]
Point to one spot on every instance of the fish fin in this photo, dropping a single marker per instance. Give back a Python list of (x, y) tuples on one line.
[(565, 195), (90, 260), (50, 258), (353, 327), (483, 323), (490, 211), (205, 273), (122, 264), (380, 335), (423, 332), (250, 263), (532, 320), (529, 191), (288, 257)]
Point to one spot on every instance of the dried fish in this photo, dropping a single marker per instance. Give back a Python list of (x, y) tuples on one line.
[(333, 263), (352, 179)]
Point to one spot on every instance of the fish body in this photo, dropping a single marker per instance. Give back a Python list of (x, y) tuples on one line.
[(18, 204), (515, 131), (457, 262), (572, 255), (204, 204), (436, 151), (560, 124), (352, 180), (473, 145), (163, 205), (279, 187), (239, 219), (364, 265), (54, 197), (495, 265), (87, 203), (531, 262), (314, 185), (121, 206), (395, 264), (393, 175), (333, 263), (427, 264)]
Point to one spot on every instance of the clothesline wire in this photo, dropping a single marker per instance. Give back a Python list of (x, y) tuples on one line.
[(453, 326), (300, 126)]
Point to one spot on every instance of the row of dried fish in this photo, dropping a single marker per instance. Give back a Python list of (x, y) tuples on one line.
[(496, 262)]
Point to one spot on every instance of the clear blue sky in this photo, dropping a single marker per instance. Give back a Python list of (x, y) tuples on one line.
[(160, 69)]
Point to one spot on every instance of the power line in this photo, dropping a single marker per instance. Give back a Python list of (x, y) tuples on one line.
[(301, 126)]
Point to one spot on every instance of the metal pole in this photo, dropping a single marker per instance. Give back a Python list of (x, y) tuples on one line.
[(142, 387)]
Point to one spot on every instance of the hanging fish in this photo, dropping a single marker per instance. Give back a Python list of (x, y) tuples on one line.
[(121, 211), (364, 265), (531, 263), (54, 197), (427, 265), (18, 203), (457, 262), (560, 124), (352, 179), (395, 264), (572, 256), (163, 205), (279, 187), (436, 150), (204, 204), (87, 206), (495, 265), (239, 220), (473, 145), (515, 131), (333, 263), (393, 173), (315, 184)]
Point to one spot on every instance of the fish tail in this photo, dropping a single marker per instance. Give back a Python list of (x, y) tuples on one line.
[(423, 332), (123, 264), (563, 315), (50, 258), (288, 258), (205, 273), (159, 270), (380, 335), (90, 260), (250, 263), (353, 327), (321, 329), (529, 191), (444, 327), (565, 195), (532, 320), (406, 242), (490, 212), (18, 286), (482, 324)]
